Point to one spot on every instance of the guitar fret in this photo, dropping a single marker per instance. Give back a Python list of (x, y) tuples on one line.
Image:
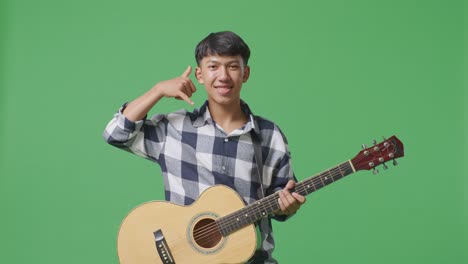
[(337, 174), (313, 186), (341, 172), (263, 212), (327, 179), (331, 175), (318, 184), (321, 180), (268, 207)]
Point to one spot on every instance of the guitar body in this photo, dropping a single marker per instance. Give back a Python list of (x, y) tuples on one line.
[(186, 234)]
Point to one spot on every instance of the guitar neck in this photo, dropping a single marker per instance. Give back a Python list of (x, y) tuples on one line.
[(266, 206)]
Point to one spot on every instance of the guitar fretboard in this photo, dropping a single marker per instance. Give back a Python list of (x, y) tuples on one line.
[(265, 206)]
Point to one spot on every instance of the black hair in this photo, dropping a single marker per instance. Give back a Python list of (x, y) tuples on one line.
[(225, 43)]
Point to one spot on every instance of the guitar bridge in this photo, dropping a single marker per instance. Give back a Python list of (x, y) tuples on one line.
[(162, 248)]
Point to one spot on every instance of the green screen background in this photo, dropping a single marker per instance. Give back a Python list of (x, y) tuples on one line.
[(332, 74)]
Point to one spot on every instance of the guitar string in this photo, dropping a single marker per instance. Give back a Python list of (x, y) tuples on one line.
[(207, 237), (268, 203), (320, 178), (316, 179), (313, 180), (205, 234), (182, 250), (210, 237), (211, 229), (300, 188)]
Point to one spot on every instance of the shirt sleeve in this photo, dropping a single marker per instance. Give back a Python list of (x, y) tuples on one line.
[(144, 138), (282, 172)]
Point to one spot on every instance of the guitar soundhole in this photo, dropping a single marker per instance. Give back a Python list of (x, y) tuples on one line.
[(206, 233)]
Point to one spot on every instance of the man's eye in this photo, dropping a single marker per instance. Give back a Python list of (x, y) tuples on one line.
[(211, 67), (234, 67)]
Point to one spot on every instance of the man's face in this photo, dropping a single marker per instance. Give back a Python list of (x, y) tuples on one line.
[(222, 77)]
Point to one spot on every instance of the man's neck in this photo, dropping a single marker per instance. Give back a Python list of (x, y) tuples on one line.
[(229, 117)]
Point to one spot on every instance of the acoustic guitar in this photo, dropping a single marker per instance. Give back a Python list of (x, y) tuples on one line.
[(218, 227)]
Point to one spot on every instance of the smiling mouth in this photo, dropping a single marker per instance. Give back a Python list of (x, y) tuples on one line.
[(223, 90), (223, 86)]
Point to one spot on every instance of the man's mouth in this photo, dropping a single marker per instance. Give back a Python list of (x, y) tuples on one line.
[(223, 89)]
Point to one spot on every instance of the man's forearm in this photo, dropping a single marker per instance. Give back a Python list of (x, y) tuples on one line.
[(180, 88), (138, 108)]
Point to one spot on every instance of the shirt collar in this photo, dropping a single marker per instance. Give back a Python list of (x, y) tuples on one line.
[(203, 117)]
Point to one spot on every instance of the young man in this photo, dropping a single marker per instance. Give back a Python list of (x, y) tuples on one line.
[(213, 144)]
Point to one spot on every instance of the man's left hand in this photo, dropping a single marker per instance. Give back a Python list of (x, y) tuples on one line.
[(289, 202)]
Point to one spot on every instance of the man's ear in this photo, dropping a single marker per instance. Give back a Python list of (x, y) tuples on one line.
[(246, 73), (198, 75)]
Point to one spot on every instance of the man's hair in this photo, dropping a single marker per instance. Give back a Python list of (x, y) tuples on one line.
[(225, 43)]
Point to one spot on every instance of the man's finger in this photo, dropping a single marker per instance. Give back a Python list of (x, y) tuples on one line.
[(290, 185), (289, 197), (301, 199), (184, 97), (187, 90), (192, 86), (187, 72), (281, 205), (286, 198)]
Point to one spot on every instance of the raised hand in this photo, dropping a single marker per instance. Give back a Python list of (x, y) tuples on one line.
[(180, 88)]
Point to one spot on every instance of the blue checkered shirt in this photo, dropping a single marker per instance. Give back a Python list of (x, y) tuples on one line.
[(195, 153)]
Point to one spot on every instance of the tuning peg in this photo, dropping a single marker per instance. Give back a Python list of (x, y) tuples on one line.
[(385, 166), (374, 142), (376, 171), (395, 163), (384, 138), (364, 146)]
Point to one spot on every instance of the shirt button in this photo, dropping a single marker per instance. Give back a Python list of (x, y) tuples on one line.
[(226, 140), (223, 168)]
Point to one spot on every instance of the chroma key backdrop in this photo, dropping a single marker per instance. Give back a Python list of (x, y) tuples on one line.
[(333, 74)]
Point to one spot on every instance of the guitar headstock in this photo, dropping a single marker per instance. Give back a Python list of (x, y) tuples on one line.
[(369, 158)]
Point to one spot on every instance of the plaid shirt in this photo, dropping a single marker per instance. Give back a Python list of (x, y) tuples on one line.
[(195, 153)]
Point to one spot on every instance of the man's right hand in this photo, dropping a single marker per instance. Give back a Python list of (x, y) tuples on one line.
[(180, 88)]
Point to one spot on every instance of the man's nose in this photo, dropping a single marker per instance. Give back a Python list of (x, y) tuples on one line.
[(224, 74)]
